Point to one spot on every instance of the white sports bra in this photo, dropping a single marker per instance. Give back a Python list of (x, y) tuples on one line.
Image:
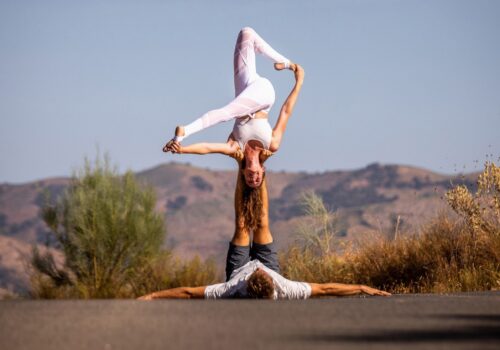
[(246, 129)]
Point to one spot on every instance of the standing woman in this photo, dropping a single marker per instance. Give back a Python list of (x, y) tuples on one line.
[(252, 140)]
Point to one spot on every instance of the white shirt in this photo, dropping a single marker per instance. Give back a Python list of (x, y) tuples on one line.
[(236, 287)]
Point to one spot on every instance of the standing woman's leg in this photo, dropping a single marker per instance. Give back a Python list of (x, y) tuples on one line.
[(262, 233), (238, 253), (263, 247), (245, 74)]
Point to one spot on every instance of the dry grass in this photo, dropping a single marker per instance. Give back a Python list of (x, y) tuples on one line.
[(447, 255), (165, 271), (168, 271)]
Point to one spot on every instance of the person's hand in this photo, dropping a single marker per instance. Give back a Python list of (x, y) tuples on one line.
[(146, 297), (373, 291), (176, 147), (168, 146), (172, 146), (237, 155)]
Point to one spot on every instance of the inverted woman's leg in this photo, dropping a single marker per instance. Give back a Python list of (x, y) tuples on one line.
[(248, 100), (258, 96), (247, 44)]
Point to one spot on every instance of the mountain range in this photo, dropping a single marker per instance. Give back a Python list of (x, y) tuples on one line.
[(198, 208)]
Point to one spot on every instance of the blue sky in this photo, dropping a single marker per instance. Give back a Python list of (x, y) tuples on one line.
[(390, 81)]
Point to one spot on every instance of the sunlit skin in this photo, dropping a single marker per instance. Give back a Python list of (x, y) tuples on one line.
[(253, 152)]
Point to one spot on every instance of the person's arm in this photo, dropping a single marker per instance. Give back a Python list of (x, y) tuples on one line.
[(287, 109), (177, 293), (228, 148), (340, 289)]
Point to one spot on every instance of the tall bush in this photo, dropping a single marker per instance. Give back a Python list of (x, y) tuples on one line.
[(108, 230), (316, 254)]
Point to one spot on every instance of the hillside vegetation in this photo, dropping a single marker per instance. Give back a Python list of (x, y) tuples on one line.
[(449, 253), (110, 234), (111, 239), (374, 203)]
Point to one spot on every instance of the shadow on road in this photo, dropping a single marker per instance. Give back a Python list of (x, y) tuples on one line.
[(481, 328)]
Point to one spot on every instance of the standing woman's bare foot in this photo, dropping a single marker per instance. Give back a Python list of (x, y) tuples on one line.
[(179, 131)]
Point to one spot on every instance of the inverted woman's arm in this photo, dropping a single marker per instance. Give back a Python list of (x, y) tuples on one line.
[(287, 109), (227, 148)]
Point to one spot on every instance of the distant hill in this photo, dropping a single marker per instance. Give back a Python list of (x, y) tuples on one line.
[(198, 206)]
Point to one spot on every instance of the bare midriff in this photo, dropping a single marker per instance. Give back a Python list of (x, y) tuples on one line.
[(260, 115)]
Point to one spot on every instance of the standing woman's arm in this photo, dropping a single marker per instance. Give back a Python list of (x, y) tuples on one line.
[(287, 108)]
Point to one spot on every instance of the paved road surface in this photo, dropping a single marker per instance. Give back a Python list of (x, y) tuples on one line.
[(459, 321)]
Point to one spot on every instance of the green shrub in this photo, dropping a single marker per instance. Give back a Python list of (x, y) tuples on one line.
[(107, 228)]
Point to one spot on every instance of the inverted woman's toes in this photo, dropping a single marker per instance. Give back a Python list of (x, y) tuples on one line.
[(168, 146)]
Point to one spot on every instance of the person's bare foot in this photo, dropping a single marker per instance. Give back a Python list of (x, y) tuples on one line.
[(179, 131), (281, 66), (168, 147)]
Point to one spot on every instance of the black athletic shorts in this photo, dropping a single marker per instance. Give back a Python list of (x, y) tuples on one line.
[(237, 256)]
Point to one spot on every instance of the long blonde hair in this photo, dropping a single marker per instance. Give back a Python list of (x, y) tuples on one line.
[(251, 204)]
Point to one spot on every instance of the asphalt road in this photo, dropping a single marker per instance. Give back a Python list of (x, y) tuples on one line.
[(459, 321)]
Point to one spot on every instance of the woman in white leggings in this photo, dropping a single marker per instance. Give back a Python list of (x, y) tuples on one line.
[(252, 140)]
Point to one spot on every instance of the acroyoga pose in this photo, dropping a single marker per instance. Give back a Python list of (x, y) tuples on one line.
[(252, 140), (253, 271)]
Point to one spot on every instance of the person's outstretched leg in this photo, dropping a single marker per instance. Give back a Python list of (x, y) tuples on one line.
[(248, 99)]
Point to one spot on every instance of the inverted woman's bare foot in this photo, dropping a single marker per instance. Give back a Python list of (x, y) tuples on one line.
[(281, 66), (179, 131)]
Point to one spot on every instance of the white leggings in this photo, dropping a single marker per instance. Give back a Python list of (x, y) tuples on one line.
[(253, 93)]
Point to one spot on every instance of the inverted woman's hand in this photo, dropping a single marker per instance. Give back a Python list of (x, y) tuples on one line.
[(172, 146), (176, 147)]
